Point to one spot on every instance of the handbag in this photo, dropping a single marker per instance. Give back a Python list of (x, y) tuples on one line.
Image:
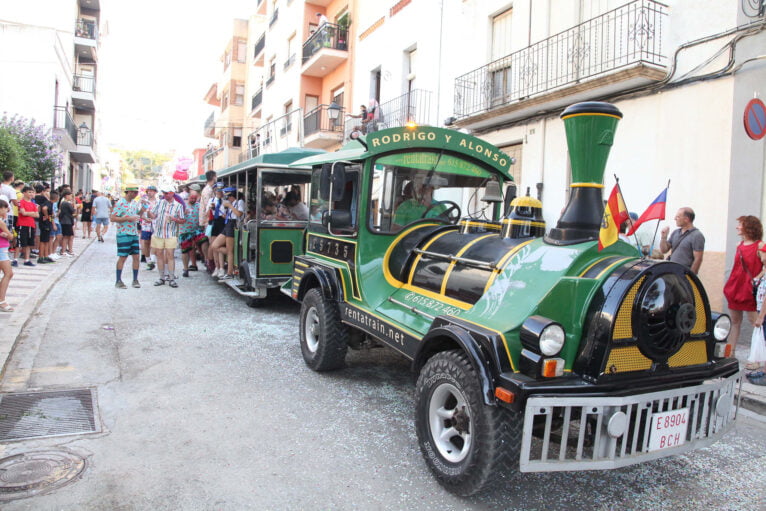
[(753, 282)]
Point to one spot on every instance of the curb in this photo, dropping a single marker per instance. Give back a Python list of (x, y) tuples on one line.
[(23, 312)]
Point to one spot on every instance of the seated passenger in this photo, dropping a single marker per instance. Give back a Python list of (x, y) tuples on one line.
[(297, 210), (418, 205)]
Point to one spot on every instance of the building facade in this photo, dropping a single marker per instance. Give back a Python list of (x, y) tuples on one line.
[(295, 61), (49, 59)]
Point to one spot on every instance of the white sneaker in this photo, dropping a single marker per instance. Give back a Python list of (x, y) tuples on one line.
[(55, 257), (218, 273)]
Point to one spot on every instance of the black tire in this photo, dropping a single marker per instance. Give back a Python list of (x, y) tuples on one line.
[(324, 339), (485, 441)]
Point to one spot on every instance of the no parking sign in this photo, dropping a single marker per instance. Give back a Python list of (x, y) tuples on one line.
[(755, 119)]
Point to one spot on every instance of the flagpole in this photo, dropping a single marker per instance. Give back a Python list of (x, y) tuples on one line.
[(635, 237), (654, 238)]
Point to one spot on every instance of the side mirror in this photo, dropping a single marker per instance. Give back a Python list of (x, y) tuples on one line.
[(339, 219), (338, 180)]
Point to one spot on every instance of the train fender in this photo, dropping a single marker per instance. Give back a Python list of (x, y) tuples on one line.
[(324, 278), (446, 337)]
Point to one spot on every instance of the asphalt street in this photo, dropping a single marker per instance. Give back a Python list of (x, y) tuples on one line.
[(205, 403)]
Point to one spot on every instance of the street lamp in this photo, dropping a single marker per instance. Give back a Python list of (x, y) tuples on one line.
[(82, 134), (333, 111)]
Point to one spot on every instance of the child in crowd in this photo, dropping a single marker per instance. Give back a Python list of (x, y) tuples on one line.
[(5, 264)]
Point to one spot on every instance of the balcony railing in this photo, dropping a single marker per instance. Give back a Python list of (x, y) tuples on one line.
[(257, 100), (318, 120), (85, 137), (270, 80), (328, 35), (625, 36), (277, 134), (289, 62), (84, 83), (259, 46), (210, 123), (274, 17), (86, 29), (63, 120)]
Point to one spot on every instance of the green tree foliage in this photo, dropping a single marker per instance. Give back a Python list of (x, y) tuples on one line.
[(11, 154), (142, 166), (40, 151)]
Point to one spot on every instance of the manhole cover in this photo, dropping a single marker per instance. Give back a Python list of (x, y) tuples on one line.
[(25, 475), (47, 414)]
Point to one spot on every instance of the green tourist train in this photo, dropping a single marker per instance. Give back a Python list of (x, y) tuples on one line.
[(533, 350)]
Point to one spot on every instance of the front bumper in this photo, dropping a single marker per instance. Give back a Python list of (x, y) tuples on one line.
[(573, 432)]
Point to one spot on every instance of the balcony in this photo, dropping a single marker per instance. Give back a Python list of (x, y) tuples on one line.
[(258, 52), (290, 61), (255, 103), (615, 51), (260, 7), (210, 126), (414, 106), (64, 128), (274, 17), (320, 131), (86, 39), (209, 159), (84, 92), (270, 80), (325, 50), (83, 152)]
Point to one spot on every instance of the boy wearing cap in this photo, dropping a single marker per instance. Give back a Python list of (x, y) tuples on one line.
[(147, 254), (167, 215), (126, 214)]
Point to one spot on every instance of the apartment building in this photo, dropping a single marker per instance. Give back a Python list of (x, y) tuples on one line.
[(682, 74), (296, 81), (49, 61)]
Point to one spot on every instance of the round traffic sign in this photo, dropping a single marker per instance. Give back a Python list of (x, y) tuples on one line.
[(755, 119)]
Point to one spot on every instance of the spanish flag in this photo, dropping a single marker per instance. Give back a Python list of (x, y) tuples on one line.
[(615, 213)]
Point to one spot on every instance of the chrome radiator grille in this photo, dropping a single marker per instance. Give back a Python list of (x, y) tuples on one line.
[(572, 433)]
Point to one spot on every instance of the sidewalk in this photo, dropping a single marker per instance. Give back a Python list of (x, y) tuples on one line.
[(29, 287)]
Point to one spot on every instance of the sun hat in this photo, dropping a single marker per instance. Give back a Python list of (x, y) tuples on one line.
[(219, 184), (230, 189), (131, 188), (152, 187), (167, 189), (195, 187)]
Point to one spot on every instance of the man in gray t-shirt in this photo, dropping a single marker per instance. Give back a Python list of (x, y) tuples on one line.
[(102, 209), (687, 242)]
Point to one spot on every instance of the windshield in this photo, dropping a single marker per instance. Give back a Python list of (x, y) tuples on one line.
[(430, 185)]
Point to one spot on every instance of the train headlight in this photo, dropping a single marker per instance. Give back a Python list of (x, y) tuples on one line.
[(721, 327), (542, 335)]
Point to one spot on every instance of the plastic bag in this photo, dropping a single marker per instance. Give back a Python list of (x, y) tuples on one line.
[(757, 346)]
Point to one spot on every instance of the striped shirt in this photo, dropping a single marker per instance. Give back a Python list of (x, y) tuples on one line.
[(126, 208), (163, 226)]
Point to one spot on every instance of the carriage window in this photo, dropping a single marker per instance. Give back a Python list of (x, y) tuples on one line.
[(410, 187), (284, 196)]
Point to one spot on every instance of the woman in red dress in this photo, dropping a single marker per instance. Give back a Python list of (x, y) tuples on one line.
[(747, 265)]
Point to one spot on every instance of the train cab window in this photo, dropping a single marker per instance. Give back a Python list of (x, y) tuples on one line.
[(422, 186), (319, 208)]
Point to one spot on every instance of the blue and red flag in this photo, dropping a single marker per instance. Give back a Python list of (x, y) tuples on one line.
[(655, 211)]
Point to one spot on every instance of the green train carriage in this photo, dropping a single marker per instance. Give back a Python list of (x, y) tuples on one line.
[(533, 353)]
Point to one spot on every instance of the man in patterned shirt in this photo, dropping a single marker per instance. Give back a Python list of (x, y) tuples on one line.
[(191, 234), (168, 214), (126, 214)]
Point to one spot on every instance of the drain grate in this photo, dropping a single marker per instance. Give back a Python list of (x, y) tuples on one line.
[(46, 414), (25, 475)]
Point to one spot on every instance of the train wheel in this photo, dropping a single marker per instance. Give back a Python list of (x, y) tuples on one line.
[(324, 339), (466, 444)]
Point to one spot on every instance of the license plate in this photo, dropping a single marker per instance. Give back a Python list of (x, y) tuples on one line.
[(668, 429)]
